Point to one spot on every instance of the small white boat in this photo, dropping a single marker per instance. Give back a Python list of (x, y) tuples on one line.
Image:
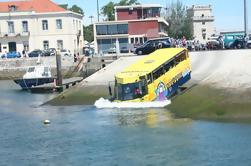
[(34, 76)]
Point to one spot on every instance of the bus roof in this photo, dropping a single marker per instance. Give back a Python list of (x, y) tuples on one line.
[(149, 63)]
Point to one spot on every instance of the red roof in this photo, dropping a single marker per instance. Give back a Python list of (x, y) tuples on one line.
[(39, 6)]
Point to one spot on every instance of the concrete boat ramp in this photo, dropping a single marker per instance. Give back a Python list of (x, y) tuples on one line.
[(226, 69), (106, 75)]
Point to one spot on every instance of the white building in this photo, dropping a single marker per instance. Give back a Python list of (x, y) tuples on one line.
[(203, 22), (39, 24)]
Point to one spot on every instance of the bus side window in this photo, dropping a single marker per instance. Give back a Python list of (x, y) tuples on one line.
[(159, 72), (149, 78), (171, 64), (167, 67), (181, 57)]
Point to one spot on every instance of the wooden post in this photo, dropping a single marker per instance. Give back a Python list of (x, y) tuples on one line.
[(59, 74)]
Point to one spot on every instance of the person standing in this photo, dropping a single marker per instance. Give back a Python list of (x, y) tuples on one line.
[(184, 41), (23, 54), (75, 57), (246, 40)]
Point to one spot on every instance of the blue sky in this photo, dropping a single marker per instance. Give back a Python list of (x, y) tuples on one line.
[(228, 13)]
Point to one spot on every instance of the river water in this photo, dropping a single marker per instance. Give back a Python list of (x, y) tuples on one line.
[(84, 135)]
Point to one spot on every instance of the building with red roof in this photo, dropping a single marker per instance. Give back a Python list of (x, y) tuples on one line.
[(39, 24)]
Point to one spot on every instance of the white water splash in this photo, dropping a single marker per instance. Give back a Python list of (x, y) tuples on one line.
[(104, 103)]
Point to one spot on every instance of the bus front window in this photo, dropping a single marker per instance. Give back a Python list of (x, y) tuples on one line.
[(130, 91)]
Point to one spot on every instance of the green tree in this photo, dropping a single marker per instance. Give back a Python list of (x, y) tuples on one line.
[(77, 9), (65, 6), (88, 33), (74, 8), (180, 22), (109, 12)]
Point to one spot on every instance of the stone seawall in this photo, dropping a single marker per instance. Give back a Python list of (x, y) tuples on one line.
[(15, 68)]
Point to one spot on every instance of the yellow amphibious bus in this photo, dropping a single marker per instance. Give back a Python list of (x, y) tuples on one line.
[(155, 77)]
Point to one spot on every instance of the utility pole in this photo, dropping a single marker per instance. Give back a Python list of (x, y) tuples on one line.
[(98, 10), (245, 18), (91, 17)]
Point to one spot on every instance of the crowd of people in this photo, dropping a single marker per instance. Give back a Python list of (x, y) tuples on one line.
[(213, 43)]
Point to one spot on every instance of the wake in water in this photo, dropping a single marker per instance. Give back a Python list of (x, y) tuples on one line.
[(104, 103)]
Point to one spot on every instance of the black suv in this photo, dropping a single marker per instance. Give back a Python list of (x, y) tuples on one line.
[(153, 44)]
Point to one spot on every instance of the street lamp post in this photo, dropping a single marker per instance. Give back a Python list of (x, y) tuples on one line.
[(98, 10), (245, 17), (91, 17)]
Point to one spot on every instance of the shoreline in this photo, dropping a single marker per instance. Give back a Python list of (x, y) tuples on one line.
[(206, 103)]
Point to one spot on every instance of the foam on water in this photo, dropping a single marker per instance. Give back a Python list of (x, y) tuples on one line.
[(104, 103)]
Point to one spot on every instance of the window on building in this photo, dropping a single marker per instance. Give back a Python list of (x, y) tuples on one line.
[(112, 29), (130, 10), (46, 44), (25, 26), (132, 40), (45, 25), (145, 39), (122, 28), (101, 29), (0, 47), (141, 40), (59, 24), (11, 27), (204, 36), (123, 45), (60, 45), (202, 15), (203, 23), (106, 45), (12, 8)]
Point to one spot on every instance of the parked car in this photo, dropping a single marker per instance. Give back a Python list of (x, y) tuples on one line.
[(36, 53), (88, 51), (124, 50), (65, 52), (249, 42), (111, 50), (214, 43), (152, 45), (47, 53), (234, 40), (52, 51), (236, 43), (12, 54), (3, 56)]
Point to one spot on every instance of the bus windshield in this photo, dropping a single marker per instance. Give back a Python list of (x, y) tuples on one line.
[(131, 91)]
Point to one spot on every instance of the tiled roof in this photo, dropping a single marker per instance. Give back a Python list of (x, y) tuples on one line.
[(39, 6)]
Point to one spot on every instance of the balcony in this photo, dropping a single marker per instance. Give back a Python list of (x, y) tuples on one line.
[(14, 34), (203, 18)]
